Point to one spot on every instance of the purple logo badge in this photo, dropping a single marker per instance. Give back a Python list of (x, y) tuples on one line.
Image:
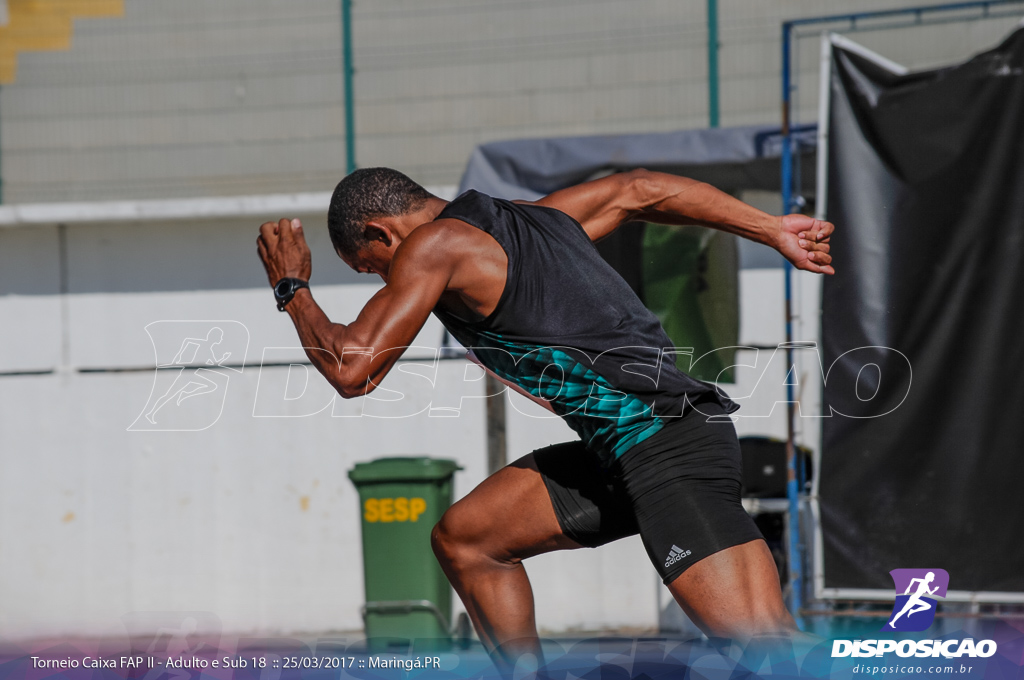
[(916, 590)]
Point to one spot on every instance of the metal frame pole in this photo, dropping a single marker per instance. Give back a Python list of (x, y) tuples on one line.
[(348, 72), (497, 439), (713, 63), (918, 11), (794, 562)]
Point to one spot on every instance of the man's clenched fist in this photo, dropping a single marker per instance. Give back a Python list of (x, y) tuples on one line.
[(282, 247)]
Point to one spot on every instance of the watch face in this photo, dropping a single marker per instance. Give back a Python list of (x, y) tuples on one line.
[(282, 288)]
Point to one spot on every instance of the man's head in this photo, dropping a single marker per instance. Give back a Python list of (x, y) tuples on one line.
[(365, 205)]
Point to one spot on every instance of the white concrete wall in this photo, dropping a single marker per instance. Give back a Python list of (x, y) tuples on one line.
[(252, 519)]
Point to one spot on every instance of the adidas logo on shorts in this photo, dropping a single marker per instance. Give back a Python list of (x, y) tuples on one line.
[(675, 555)]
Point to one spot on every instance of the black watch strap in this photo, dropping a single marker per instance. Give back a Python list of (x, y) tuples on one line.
[(285, 289)]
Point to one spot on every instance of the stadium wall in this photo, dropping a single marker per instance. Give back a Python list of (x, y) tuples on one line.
[(192, 98)]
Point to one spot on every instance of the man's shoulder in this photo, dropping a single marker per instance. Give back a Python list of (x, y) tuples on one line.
[(467, 199), (444, 239), (441, 231)]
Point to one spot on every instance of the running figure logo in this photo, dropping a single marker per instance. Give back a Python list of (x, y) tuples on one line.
[(915, 592), (192, 373), (199, 383)]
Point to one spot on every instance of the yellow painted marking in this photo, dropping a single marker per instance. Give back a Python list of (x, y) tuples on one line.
[(399, 509), (44, 25)]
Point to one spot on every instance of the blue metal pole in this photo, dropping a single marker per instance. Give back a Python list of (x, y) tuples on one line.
[(795, 563), (348, 72), (713, 63)]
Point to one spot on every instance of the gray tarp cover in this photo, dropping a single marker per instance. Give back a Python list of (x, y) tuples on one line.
[(926, 188), (729, 158)]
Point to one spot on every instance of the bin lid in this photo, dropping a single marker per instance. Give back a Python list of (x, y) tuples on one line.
[(402, 469)]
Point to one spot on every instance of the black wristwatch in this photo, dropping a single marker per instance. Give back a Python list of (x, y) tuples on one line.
[(285, 289)]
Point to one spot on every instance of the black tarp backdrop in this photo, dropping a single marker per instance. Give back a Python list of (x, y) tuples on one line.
[(926, 188)]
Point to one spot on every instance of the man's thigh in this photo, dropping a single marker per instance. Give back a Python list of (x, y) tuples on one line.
[(508, 516), (734, 593), (589, 501), (684, 485), (556, 498)]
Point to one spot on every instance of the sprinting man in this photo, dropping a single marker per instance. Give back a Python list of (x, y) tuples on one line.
[(522, 284), (914, 603)]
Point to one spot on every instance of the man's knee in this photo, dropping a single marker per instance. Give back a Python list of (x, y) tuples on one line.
[(461, 540), (453, 538), (442, 539)]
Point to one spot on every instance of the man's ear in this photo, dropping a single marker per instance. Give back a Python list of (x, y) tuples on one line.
[(376, 231)]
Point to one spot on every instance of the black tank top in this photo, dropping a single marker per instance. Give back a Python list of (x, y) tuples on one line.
[(570, 330)]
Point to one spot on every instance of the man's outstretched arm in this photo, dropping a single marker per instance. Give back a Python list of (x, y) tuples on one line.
[(602, 205), (355, 357)]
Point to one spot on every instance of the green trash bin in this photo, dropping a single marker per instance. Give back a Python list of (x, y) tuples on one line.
[(407, 594)]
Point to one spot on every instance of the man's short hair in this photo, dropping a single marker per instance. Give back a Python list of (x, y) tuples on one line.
[(367, 194)]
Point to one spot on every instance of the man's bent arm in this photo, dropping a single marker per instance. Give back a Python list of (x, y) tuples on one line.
[(602, 205), (355, 357), (668, 199), (321, 340)]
